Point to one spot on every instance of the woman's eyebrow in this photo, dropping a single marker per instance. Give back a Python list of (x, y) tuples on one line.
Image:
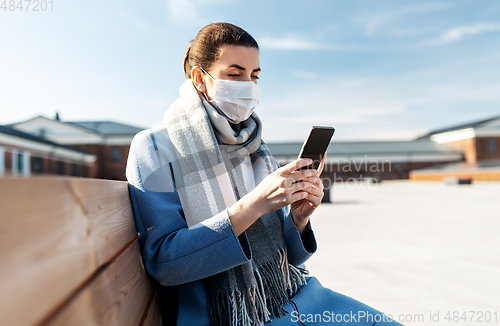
[(237, 66)]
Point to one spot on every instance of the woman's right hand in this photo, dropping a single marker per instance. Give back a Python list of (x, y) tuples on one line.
[(275, 191)]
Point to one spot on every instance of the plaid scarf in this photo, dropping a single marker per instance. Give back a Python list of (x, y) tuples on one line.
[(209, 178)]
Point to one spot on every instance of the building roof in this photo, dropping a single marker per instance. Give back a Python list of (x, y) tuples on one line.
[(369, 147), (491, 123), (17, 133), (13, 132), (107, 128)]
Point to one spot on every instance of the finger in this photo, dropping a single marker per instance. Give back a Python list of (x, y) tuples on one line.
[(305, 185), (300, 186), (316, 192), (316, 181), (297, 164), (313, 191), (297, 176), (303, 174), (299, 195), (322, 164), (314, 200)]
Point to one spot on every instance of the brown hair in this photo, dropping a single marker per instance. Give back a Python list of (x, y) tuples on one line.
[(204, 49)]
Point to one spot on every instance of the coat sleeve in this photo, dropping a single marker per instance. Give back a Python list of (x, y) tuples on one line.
[(299, 249), (174, 253)]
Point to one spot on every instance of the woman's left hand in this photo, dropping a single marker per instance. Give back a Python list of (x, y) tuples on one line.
[(302, 209)]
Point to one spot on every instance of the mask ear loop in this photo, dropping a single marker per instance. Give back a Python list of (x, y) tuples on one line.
[(204, 94), (206, 73)]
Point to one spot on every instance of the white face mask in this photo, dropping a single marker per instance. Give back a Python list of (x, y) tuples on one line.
[(236, 99)]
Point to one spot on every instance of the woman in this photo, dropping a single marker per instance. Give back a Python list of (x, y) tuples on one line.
[(223, 229)]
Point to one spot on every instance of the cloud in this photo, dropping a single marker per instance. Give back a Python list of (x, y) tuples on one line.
[(289, 42), (187, 12), (182, 10), (292, 42), (458, 33), (373, 21)]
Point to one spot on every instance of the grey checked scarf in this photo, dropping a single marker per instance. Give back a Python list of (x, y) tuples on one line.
[(208, 177)]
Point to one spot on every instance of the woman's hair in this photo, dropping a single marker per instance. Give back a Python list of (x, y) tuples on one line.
[(204, 49)]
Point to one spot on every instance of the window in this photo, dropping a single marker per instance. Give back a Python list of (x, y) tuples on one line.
[(85, 171), (492, 146), (60, 167), (37, 164), (73, 169), (20, 162), (116, 154)]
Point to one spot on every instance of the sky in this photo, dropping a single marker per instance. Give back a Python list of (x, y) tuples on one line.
[(374, 70)]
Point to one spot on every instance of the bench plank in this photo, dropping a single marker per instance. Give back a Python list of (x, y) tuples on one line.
[(153, 317), (107, 205), (55, 233), (118, 296)]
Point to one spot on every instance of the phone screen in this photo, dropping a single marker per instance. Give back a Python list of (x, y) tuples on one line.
[(316, 144)]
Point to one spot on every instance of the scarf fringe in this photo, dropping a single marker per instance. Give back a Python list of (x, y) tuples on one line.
[(277, 281)]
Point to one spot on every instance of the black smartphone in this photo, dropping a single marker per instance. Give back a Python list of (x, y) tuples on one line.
[(316, 144)]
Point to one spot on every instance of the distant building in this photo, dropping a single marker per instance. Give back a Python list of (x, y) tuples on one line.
[(26, 155), (381, 160), (479, 140), (480, 143), (108, 141), (468, 146)]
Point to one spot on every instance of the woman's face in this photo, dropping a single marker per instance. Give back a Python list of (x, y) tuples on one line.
[(236, 62)]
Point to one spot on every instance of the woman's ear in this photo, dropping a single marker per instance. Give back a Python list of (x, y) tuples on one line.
[(197, 77)]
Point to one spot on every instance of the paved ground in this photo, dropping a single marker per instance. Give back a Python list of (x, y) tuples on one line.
[(414, 248)]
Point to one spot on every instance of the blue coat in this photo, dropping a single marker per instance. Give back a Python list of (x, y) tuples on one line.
[(175, 255)]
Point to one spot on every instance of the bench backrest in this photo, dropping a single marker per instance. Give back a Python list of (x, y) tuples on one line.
[(70, 255)]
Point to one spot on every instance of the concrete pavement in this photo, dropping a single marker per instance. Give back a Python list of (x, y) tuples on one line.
[(413, 249)]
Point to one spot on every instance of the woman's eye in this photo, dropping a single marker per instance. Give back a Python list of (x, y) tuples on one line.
[(255, 77), (234, 75)]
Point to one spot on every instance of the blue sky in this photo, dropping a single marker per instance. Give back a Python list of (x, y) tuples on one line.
[(372, 69)]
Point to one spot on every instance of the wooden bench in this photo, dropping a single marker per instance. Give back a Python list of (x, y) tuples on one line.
[(70, 255)]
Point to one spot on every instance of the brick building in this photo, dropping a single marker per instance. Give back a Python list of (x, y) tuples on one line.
[(476, 144), (480, 143), (471, 149), (479, 140), (23, 154), (381, 160), (108, 141)]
